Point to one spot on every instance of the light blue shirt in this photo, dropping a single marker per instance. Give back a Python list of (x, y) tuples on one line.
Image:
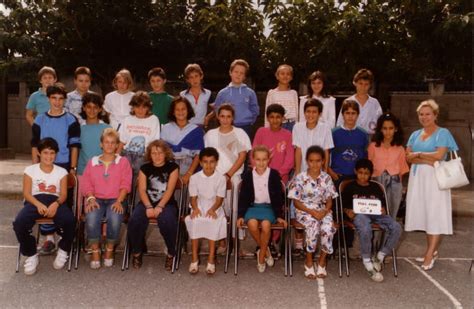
[(199, 105), (90, 144), (38, 102)]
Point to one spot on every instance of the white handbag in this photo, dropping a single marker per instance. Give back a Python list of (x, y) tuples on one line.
[(450, 174)]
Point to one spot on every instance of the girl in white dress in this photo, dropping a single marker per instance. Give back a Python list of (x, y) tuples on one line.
[(207, 190)]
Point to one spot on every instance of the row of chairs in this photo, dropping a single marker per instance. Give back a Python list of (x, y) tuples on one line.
[(181, 234)]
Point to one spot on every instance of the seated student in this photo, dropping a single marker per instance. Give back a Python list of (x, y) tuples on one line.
[(106, 182), (156, 183), (261, 201), (362, 188), (45, 193), (207, 190), (312, 192)]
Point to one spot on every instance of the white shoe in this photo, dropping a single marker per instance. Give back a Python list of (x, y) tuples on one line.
[(108, 262), (31, 264), (60, 260), (421, 259), (260, 267), (269, 258), (321, 272)]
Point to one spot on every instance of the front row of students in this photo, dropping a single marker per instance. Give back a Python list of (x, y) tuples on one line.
[(107, 180)]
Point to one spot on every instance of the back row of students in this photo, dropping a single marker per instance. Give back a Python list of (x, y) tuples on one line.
[(347, 144)]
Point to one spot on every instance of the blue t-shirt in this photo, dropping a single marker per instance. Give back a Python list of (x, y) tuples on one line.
[(38, 102), (349, 147), (63, 128), (90, 143), (441, 138)]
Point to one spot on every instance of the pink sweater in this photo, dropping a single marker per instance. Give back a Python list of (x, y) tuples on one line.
[(281, 148), (106, 183)]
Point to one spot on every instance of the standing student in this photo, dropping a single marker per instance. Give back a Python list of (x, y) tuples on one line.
[(38, 102), (369, 107), (82, 81), (207, 190), (156, 183), (160, 99), (285, 96), (45, 194), (312, 192), (185, 139), (388, 156), (116, 103), (65, 130), (317, 90), (106, 183), (242, 98), (278, 140), (138, 130), (261, 204), (197, 95), (232, 143)]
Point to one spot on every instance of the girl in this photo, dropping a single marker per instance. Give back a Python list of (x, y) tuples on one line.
[(261, 202), (207, 220), (316, 89), (45, 193), (138, 129), (312, 192), (185, 139), (284, 96), (156, 183), (232, 143), (388, 156), (116, 102), (106, 183)]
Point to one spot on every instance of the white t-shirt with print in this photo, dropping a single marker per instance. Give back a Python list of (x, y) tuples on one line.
[(45, 183), (137, 133)]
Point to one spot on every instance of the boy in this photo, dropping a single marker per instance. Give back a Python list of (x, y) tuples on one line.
[(44, 190), (240, 96), (38, 102), (207, 190), (363, 189), (350, 143), (160, 99), (82, 81), (369, 107), (64, 128), (196, 94), (278, 140)]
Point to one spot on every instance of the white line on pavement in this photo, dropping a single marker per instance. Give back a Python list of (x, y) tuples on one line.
[(453, 299), (322, 294), (8, 247), (452, 259)]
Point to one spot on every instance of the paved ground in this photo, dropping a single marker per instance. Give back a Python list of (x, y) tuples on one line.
[(448, 285)]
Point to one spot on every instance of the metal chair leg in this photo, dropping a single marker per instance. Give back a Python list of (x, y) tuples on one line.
[(394, 261), (18, 259), (290, 256), (470, 268), (125, 253)]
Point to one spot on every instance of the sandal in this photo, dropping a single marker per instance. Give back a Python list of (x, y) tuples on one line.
[(321, 272), (109, 262), (194, 267), (94, 264), (137, 261), (309, 272), (210, 269), (169, 263)]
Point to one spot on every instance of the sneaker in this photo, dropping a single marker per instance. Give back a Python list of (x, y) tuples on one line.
[(48, 248), (377, 264), (375, 275), (31, 264), (60, 260), (260, 267), (269, 259)]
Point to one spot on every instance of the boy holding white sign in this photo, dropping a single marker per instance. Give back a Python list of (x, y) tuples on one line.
[(362, 200)]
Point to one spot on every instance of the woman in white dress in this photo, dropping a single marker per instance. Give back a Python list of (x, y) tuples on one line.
[(428, 207)]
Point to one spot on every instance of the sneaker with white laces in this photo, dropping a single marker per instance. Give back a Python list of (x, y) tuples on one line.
[(60, 260), (377, 263), (31, 264), (375, 275)]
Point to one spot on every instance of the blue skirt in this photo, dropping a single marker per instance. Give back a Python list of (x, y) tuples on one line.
[(260, 212)]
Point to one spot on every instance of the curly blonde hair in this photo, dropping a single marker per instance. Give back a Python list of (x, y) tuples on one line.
[(163, 146)]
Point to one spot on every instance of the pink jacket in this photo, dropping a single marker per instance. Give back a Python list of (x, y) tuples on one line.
[(106, 183)]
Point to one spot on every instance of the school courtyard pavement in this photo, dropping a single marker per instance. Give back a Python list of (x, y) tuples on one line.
[(448, 285)]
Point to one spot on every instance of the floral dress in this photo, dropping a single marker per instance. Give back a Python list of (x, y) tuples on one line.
[(314, 193)]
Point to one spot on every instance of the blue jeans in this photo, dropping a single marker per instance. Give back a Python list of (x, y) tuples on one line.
[(363, 224), (94, 222), (167, 223), (64, 221), (394, 188)]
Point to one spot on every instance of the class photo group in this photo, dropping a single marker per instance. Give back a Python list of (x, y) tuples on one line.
[(307, 177)]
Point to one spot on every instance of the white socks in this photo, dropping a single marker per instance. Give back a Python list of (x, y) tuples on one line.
[(50, 237)]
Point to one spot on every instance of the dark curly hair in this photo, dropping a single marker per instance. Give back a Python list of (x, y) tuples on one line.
[(378, 135)]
